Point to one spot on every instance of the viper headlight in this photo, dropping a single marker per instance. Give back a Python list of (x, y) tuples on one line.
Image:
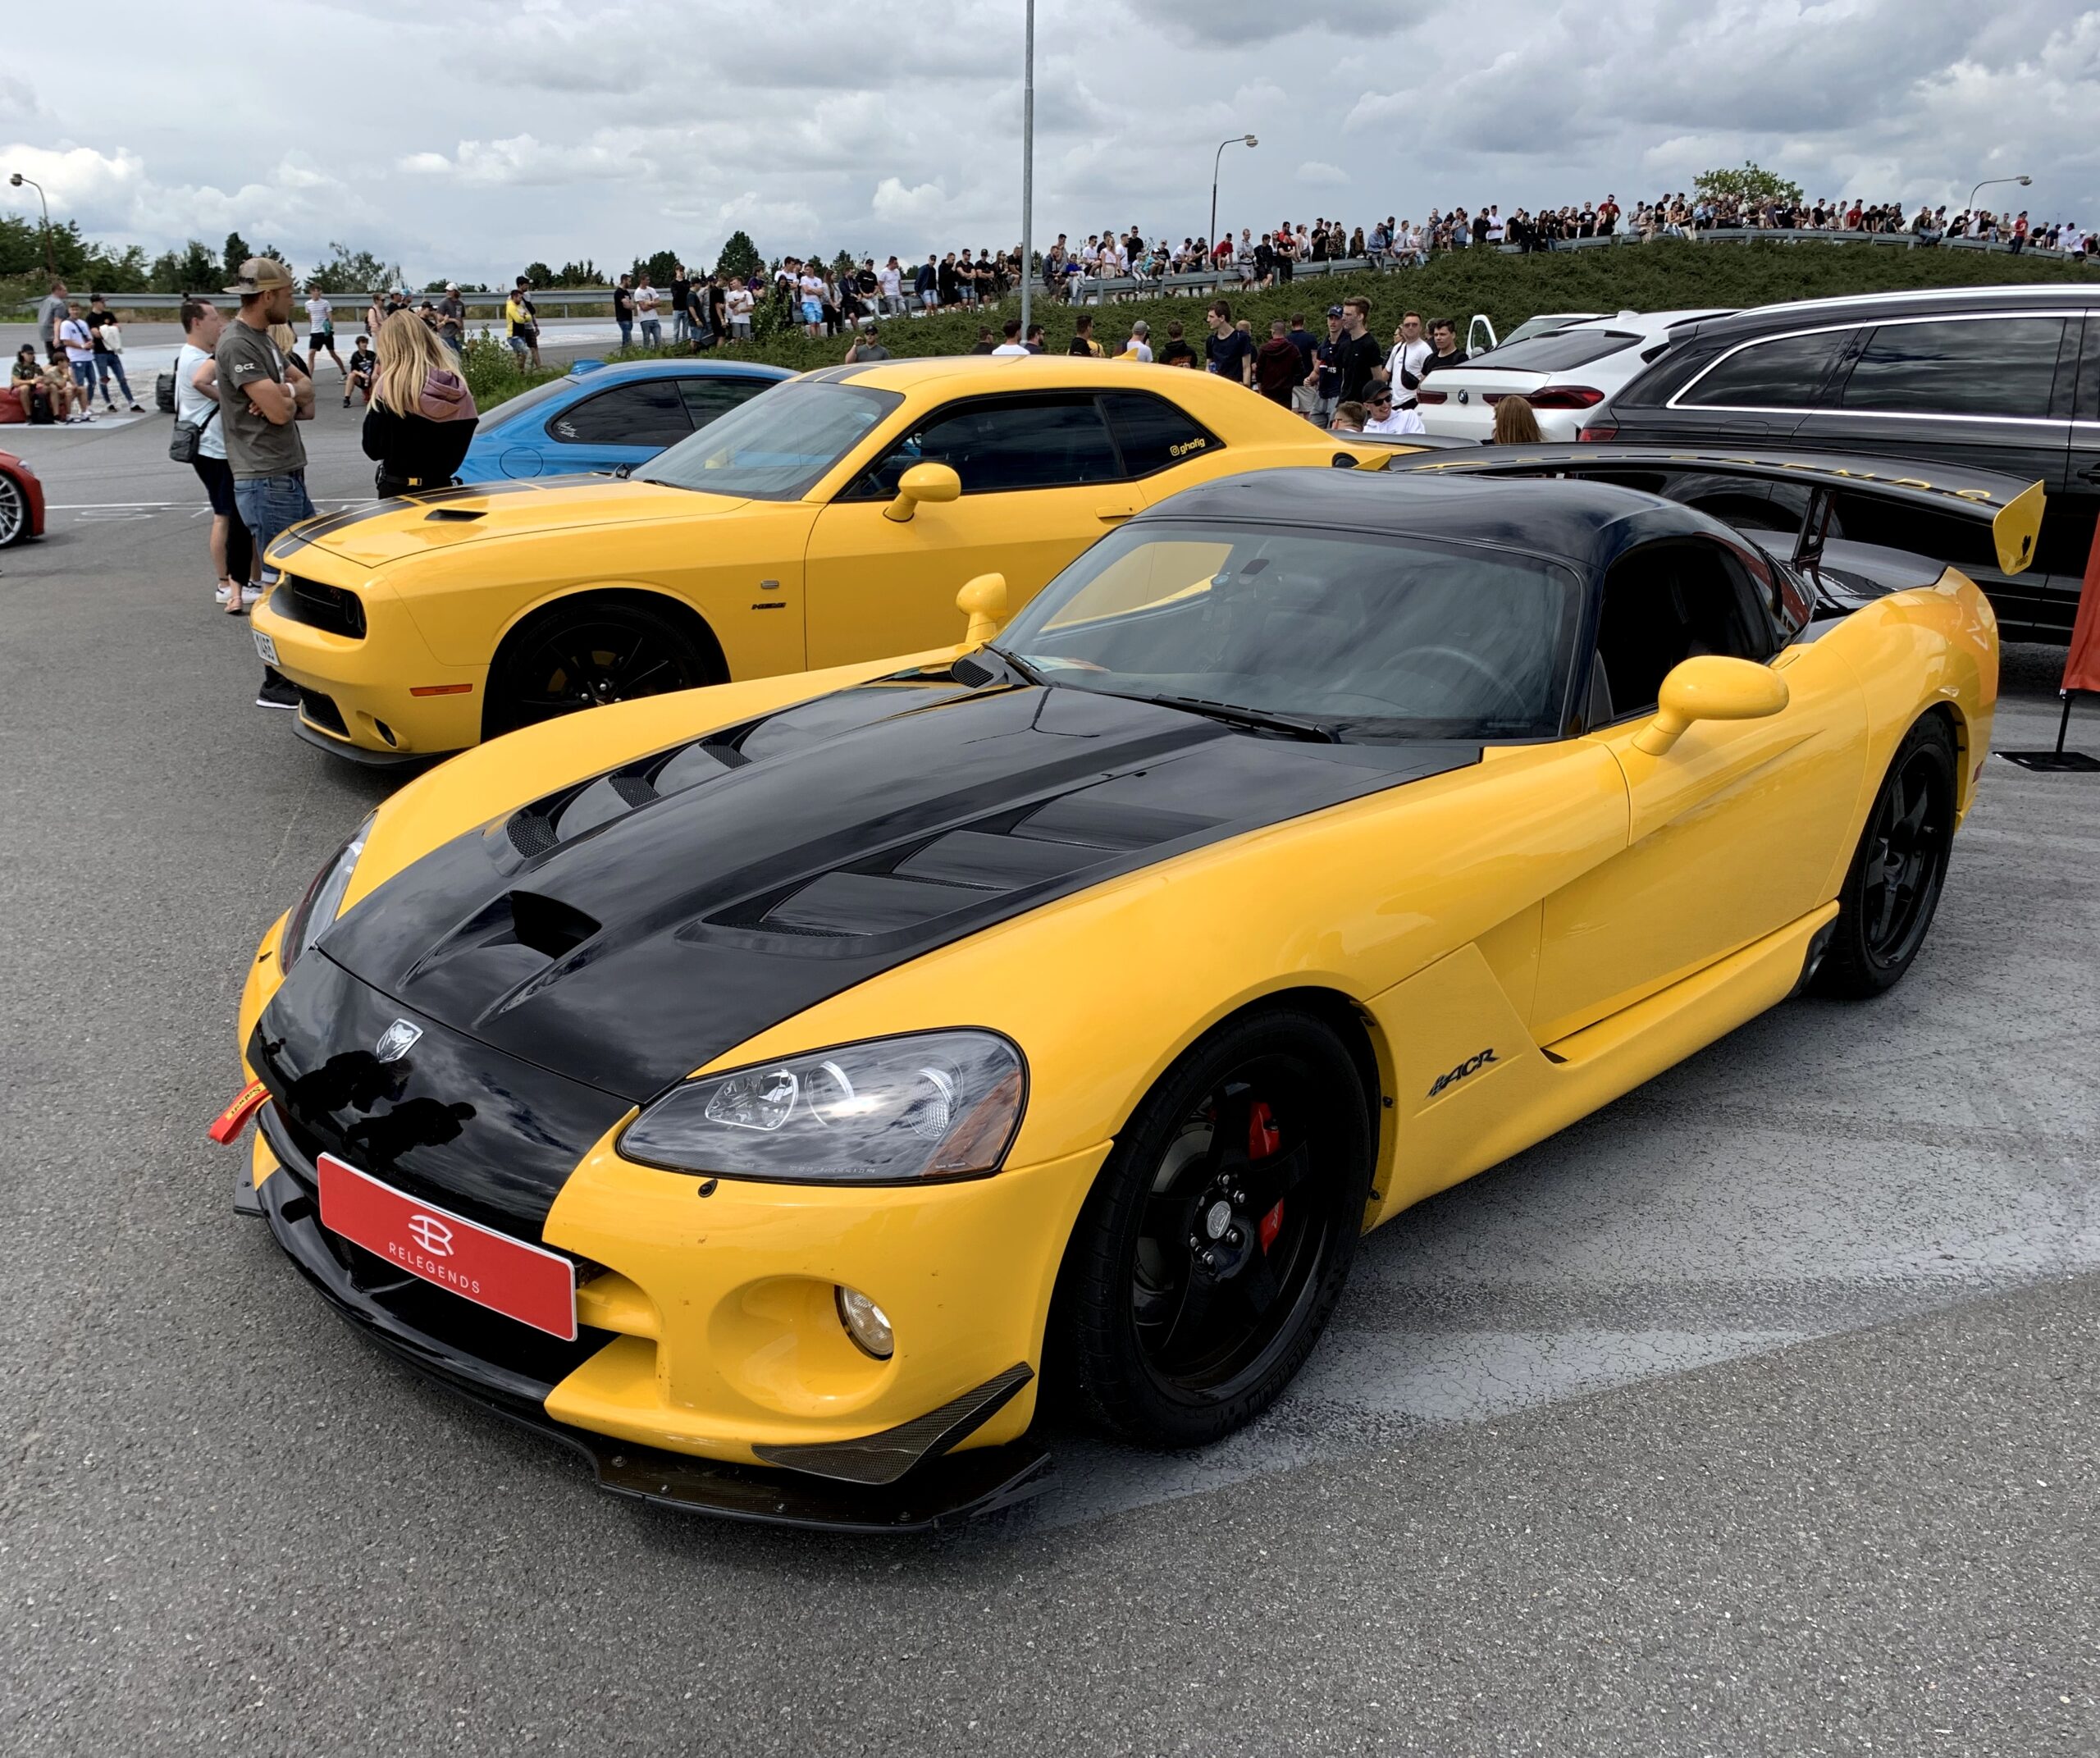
[(323, 898), (891, 1110)]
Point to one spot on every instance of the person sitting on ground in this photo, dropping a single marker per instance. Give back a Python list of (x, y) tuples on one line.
[(363, 363), (1515, 424), (1349, 418), (35, 380), (420, 417)]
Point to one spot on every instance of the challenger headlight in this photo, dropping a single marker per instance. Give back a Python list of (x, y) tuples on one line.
[(323, 898), (891, 1110)]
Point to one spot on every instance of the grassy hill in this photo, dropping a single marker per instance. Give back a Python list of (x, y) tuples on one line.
[(1662, 276)]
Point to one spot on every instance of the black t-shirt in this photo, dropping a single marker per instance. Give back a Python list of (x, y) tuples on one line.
[(1226, 353), (96, 320), (681, 292), (622, 305), (1177, 353), (1437, 362), (363, 360), (1306, 345), (1355, 358)]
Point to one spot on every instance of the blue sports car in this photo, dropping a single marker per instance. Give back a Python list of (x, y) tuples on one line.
[(599, 418)]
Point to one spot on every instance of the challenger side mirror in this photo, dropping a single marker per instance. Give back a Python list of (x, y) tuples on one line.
[(931, 482), (982, 600), (1710, 688)]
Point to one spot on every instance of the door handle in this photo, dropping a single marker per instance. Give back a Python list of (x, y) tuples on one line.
[(2091, 472), (1109, 515)]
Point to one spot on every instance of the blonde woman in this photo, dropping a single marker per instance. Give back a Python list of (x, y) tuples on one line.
[(421, 417), (1514, 423)]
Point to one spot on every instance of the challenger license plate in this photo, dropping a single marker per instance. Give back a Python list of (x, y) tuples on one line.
[(524, 1282), (266, 647)]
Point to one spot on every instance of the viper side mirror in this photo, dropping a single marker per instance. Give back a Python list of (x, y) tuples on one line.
[(928, 482), (982, 600), (1710, 688)]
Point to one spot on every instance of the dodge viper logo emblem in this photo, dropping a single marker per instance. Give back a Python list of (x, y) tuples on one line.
[(432, 1234), (396, 1041)]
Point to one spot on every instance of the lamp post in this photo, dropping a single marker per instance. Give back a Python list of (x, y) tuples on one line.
[(1216, 160), (1028, 171), (1989, 182), (18, 180)]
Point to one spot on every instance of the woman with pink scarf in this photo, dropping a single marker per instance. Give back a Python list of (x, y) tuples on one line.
[(421, 417)]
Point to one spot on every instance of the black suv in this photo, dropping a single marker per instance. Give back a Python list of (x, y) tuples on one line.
[(1999, 378)]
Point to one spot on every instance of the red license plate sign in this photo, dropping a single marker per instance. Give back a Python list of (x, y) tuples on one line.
[(534, 1286)]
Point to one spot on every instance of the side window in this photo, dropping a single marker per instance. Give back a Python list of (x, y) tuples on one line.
[(997, 447), (1785, 374), (651, 413), (1986, 366), (1153, 434), (2089, 372), (1667, 602), (708, 398)]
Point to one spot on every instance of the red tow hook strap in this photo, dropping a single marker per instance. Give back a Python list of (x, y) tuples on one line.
[(228, 1123)]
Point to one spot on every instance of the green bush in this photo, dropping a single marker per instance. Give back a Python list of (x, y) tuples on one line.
[(492, 372)]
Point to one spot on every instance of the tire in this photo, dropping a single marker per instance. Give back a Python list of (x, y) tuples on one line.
[(1160, 1348), (588, 653), (14, 511), (1893, 885)]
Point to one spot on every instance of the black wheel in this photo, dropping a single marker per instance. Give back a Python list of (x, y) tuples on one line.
[(1894, 883), (14, 511), (585, 656), (1218, 1236)]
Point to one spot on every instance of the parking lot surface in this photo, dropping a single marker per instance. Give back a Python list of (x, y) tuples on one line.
[(1756, 1413)]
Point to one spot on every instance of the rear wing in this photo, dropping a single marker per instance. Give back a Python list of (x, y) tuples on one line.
[(2010, 508)]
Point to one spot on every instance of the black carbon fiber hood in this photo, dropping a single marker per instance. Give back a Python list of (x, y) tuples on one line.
[(625, 931)]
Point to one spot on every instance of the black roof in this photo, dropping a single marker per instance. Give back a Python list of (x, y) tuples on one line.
[(1868, 308), (1584, 523)]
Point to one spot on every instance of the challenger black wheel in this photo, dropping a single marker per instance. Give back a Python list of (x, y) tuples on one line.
[(1894, 884), (14, 511), (601, 651), (1219, 1234)]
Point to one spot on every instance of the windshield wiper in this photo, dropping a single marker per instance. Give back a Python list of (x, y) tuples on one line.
[(1231, 713), (1019, 667)]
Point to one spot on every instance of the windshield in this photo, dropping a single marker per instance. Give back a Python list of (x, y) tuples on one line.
[(1560, 351), (1372, 637), (775, 447)]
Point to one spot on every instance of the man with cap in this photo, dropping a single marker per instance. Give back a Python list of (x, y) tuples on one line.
[(262, 396), (452, 319)]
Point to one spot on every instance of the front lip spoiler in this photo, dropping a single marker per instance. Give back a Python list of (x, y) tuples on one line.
[(374, 759), (945, 1489)]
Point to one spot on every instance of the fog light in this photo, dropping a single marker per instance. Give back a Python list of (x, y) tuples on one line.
[(866, 1323)]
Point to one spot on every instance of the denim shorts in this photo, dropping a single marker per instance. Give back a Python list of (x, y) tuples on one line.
[(84, 372), (813, 310), (270, 505)]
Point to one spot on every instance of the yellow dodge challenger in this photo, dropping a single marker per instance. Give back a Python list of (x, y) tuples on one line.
[(771, 1089), (828, 521)]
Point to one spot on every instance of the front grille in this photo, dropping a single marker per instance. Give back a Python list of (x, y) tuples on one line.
[(299, 600), (321, 710)]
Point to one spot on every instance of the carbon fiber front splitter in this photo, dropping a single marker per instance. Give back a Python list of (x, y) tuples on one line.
[(944, 1489)]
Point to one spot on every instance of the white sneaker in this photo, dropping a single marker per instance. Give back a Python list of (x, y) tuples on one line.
[(251, 595), (220, 595)]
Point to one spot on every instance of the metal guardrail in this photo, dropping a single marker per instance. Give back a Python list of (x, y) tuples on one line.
[(1088, 291)]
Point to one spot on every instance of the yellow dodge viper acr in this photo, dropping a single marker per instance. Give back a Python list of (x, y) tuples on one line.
[(769, 1089), (830, 521)]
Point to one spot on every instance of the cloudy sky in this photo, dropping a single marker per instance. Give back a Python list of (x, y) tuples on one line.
[(472, 136)]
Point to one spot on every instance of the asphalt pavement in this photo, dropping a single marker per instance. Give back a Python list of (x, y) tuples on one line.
[(1755, 1414)]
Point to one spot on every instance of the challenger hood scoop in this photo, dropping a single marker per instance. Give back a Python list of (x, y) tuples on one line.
[(626, 931)]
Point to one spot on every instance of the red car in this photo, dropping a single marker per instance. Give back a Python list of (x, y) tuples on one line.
[(21, 501)]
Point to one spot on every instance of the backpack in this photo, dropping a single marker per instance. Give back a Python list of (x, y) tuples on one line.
[(39, 410)]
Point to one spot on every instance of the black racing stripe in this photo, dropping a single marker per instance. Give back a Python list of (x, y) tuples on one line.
[(820, 861), (313, 531)]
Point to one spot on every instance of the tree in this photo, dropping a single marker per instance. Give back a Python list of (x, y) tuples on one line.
[(583, 274), (844, 264), (660, 267), (539, 275), (193, 269), (348, 271), (1748, 186), (739, 257), (236, 254)]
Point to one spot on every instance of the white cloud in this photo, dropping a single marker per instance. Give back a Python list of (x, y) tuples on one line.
[(1318, 174), (522, 159)]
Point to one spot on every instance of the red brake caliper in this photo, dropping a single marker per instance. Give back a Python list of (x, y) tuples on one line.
[(1264, 1138)]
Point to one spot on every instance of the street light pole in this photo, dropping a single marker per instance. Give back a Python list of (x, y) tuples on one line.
[(1989, 182), (18, 180), (1217, 159), (1027, 172)]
